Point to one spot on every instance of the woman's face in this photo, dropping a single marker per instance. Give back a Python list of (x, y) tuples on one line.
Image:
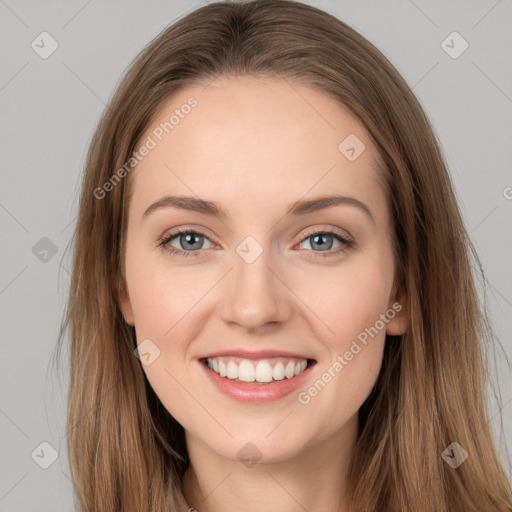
[(266, 287)]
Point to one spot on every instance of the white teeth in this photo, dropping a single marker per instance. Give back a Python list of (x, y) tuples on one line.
[(278, 371), (262, 371), (289, 370), (246, 371), (232, 370)]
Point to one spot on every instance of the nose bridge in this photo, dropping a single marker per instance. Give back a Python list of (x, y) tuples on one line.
[(255, 296)]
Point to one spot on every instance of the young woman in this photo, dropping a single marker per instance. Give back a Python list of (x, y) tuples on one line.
[(272, 305)]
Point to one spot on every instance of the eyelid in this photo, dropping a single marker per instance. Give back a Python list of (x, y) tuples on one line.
[(345, 235), (188, 229), (346, 239)]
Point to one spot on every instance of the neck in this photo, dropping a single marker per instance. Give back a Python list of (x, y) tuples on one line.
[(314, 480)]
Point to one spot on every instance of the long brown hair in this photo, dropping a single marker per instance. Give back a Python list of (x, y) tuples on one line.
[(126, 452)]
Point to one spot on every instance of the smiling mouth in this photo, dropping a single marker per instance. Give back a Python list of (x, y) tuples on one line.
[(257, 372)]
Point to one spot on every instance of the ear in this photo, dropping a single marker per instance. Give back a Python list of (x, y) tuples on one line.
[(124, 303), (398, 325)]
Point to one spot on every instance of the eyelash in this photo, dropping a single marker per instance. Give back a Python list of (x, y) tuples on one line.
[(346, 243)]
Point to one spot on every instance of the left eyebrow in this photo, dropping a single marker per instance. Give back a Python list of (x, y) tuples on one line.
[(303, 207), (298, 208)]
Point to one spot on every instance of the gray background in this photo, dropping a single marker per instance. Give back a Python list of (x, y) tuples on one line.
[(49, 108)]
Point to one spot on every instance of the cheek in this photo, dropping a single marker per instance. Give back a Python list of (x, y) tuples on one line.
[(163, 302), (341, 387), (352, 306), (162, 295), (349, 298), (354, 302)]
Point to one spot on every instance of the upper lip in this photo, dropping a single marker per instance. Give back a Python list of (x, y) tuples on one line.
[(254, 354)]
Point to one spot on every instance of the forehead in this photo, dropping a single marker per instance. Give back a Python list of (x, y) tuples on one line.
[(261, 139)]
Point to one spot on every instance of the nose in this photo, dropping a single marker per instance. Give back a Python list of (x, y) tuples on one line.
[(255, 296)]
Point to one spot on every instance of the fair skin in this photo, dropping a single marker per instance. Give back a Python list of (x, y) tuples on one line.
[(254, 146)]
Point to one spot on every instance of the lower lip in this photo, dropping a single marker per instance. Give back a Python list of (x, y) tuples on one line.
[(257, 393)]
